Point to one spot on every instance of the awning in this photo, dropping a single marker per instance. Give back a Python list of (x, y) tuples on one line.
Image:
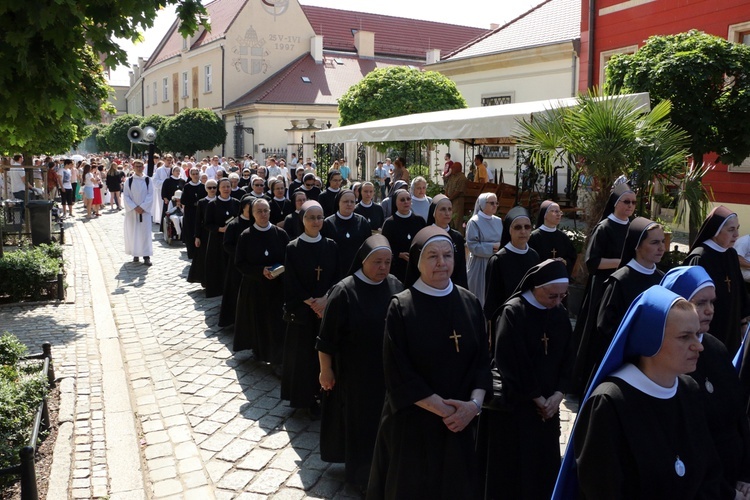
[(485, 125)]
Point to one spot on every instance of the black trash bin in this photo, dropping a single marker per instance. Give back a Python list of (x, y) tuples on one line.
[(40, 212)]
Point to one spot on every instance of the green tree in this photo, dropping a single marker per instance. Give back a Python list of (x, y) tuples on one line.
[(52, 75), (191, 130), (116, 133), (397, 91), (707, 79)]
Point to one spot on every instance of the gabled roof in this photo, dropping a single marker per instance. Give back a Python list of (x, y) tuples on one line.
[(394, 36), (222, 14), (551, 21), (327, 81)]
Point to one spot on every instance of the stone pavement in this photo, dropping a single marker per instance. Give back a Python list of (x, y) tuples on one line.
[(154, 404)]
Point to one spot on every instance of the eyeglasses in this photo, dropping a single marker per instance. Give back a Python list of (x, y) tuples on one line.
[(627, 202), (263, 211), (258, 185), (210, 187), (309, 185), (519, 227), (556, 296), (493, 203), (315, 218)]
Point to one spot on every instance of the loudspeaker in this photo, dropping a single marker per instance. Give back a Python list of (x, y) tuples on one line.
[(147, 135)]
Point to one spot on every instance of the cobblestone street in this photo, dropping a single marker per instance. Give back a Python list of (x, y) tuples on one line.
[(154, 404)]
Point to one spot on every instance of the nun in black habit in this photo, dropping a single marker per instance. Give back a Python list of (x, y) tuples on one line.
[(713, 251), (602, 259), (312, 192), (642, 430), (259, 325), (292, 223), (192, 191), (400, 229), (219, 213), (547, 239), (348, 229), (717, 380), (311, 269), (507, 267), (437, 372), (644, 248), (350, 350), (440, 213), (533, 351), (280, 205), (197, 272), (368, 208), (327, 198), (233, 276)]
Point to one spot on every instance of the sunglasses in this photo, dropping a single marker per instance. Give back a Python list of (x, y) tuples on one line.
[(521, 226), (309, 185), (258, 185), (211, 187), (627, 202)]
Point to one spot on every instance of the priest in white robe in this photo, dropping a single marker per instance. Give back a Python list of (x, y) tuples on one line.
[(138, 196)]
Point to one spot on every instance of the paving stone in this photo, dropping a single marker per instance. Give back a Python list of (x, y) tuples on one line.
[(256, 459), (289, 459), (275, 441), (288, 494), (217, 442), (235, 450), (268, 481), (167, 487), (236, 480), (216, 469), (304, 479)]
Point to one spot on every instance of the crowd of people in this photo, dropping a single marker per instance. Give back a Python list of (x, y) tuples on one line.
[(437, 356)]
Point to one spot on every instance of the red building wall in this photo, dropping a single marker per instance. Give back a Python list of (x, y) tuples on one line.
[(639, 20)]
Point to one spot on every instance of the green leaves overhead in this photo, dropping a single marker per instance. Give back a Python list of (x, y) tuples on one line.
[(191, 130)]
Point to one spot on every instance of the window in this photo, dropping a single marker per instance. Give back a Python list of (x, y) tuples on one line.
[(606, 55), (165, 90), (185, 84), (207, 79), (184, 43), (497, 99), (739, 33), (154, 99)]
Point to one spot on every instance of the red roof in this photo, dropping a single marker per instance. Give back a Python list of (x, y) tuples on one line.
[(394, 36), (327, 81)]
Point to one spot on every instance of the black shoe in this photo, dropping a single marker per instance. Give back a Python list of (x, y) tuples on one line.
[(147, 261), (136, 259)]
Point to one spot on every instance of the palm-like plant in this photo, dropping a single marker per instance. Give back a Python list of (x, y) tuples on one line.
[(694, 197), (605, 137)]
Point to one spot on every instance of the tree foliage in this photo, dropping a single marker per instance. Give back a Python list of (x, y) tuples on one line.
[(116, 133), (52, 76), (707, 79), (397, 91), (191, 130)]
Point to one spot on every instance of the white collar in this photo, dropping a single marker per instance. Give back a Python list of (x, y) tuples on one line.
[(545, 227), (513, 249), (333, 190), (256, 226), (619, 221), (209, 198), (484, 215), (236, 188), (279, 199), (529, 296), (366, 205), (194, 183), (310, 239), (403, 216), (175, 178), (635, 266), (361, 275), (714, 246), (417, 198), (428, 290), (256, 195), (630, 374), (446, 228), (242, 216), (338, 214)]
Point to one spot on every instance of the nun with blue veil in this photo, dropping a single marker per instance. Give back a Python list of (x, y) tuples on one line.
[(642, 430)]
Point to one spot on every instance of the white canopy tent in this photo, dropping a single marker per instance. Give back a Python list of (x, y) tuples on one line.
[(490, 124)]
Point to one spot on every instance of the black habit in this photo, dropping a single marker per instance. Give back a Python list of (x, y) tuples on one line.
[(293, 225), (280, 209), (349, 234), (311, 270), (554, 244), (168, 188), (197, 273), (606, 242), (352, 333), (416, 455), (533, 350), (233, 277), (400, 232), (218, 213), (628, 444), (259, 325), (190, 195), (374, 214), (327, 200), (505, 270)]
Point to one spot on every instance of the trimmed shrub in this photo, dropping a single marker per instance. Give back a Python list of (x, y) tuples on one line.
[(27, 273)]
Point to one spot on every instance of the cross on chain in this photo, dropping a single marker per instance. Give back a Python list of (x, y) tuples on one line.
[(729, 284), (455, 338), (545, 340), (318, 270), (554, 253)]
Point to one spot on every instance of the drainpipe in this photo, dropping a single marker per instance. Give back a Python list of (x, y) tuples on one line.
[(592, 20)]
